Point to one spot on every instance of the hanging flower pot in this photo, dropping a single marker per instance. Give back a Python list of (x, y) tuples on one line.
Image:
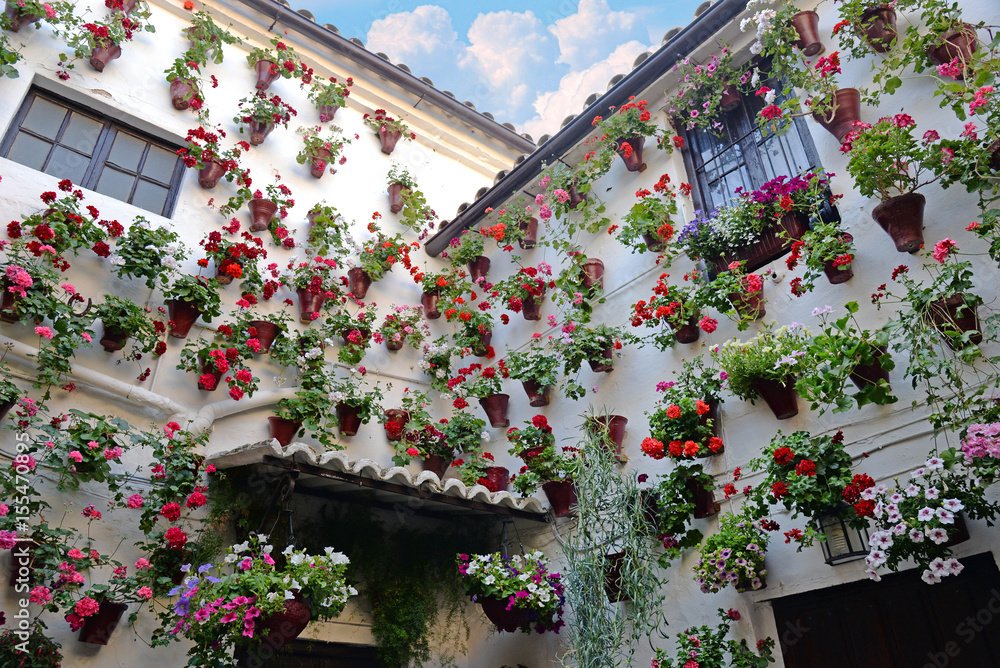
[(113, 339), (955, 316), (731, 98), (879, 25), (259, 131), (575, 198), (8, 303), (561, 495), (958, 43), (846, 110), (613, 577), (182, 316), (538, 396), (209, 175), (496, 406), (902, 218), (97, 629), (479, 267), (280, 628), (609, 427), (395, 423), (437, 465), (749, 304), (482, 348), (267, 72), (604, 363), (843, 273), (102, 55), (358, 282), (714, 414), (593, 273), (780, 397), (17, 18), (505, 620), (705, 504), (320, 162), (807, 26), (327, 112), (225, 272), (688, 333), (309, 304), (496, 479), (395, 191), (388, 139), (267, 332), (5, 407), (394, 344), (653, 243), (743, 586), (429, 302), (348, 419), (864, 375), (210, 377), (181, 94), (630, 150), (531, 307), (529, 233), (22, 563), (958, 532), (282, 429)]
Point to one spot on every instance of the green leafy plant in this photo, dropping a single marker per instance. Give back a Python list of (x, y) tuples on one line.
[(284, 62), (115, 29), (696, 101), (670, 308), (464, 431), (648, 224), (537, 363), (380, 119), (201, 292), (355, 330), (672, 507), (774, 354), (886, 159), (824, 245), (329, 232), (465, 248), (734, 555), (707, 646), (120, 315), (329, 94), (322, 144), (405, 325), (134, 255), (415, 215), (499, 576), (681, 426)]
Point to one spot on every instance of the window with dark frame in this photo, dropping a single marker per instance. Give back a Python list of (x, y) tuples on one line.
[(60, 138)]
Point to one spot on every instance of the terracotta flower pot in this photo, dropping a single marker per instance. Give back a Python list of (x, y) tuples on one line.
[(17, 18), (209, 369), (603, 364), (22, 562), (613, 577), (481, 349), (653, 243), (8, 304), (807, 26), (261, 213), (749, 304), (497, 479), (358, 282), (837, 275), (593, 273), (182, 316), (780, 397), (902, 218), (632, 156), (209, 175), (267, 332), (531, 308), (395, 191), (320, 162), (437, 465), (221, 273), (496, 406), (429, 302), (879, 26), (97, 629), (479, 267), (538, 396), (181, 93), (715, 415), (113, 339), (5, 407), (846, 110), (395, 423), (575, 198), (958, 43), (259, 131), (529, 233), (393, 344), (610, 427), (348, 419), (280, 628), (309, 304), (327, 112), (689, 332), (102, 55), (864, 375), (731, 98), (388, 139), (267, 72), (705, 504), (953, 317), (561, 495), (505, 620), (282, 429)]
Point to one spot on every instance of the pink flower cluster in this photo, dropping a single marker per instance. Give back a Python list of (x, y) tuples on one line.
[(981, 441), (19, 279)]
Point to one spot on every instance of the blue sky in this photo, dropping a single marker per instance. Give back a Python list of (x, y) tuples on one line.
[(530, 63)]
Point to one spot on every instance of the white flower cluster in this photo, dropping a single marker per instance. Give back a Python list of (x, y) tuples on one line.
[(762, 20)]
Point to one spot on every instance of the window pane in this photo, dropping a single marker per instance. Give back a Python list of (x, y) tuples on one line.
[(115, 184), (67, 164), (82, 134), (29, 151), (159, 164), (127, 151), (44, 117), (150, 196)]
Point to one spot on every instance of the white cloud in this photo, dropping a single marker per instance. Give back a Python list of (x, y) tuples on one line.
[(551, 107), (592, 32), (419, 38)]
